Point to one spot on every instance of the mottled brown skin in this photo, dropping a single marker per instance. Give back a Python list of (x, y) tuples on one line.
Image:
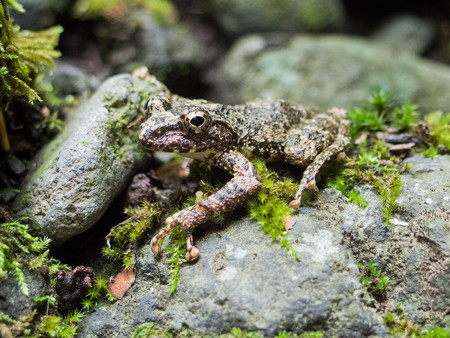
[(273, 130)]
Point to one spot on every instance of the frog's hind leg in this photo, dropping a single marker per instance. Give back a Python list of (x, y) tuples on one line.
[(308, 180), (313, 145)]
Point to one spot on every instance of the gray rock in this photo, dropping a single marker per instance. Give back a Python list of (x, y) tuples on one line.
[(244, 279), (14, 302), (163, 49), (414, 252), (84, 169), (15, 165), (238, 17), (406, 32), (39, 14), (68, 79), (327, 71)]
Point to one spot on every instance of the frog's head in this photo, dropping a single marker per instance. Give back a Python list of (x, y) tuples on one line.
[(192, 128)]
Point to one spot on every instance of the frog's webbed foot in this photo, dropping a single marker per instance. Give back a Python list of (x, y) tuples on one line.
[(172, 222)]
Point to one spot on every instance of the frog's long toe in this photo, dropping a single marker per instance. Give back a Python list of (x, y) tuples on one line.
[(192, 254), (295, 203), (155, 246)]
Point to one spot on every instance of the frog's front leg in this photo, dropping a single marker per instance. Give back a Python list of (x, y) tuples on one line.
[(245, 182)]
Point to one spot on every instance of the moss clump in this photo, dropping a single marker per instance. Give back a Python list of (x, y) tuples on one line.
[(381, 112), (377, 168), (153, 330), (23, 54), (400, 326), (375, 282), (15, 243), (238, 333), (405, 116), (149, 330), (372, 118), (96, 293), (270, 205), (440, 125), (123, 238), (163, 12), (20, 249), (177, 250)]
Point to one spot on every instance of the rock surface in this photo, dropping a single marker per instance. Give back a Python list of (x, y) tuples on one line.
[(39, 14), (244, 279), (327, 71), (68, 79), (406, 32), (84, 169), (238, 17), (13, 301), (163, 49)]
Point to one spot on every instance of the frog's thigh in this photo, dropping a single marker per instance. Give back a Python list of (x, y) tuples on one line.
[(302, 145)]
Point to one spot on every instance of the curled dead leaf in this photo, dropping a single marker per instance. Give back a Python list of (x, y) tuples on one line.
[(288, 221), (122, 282)]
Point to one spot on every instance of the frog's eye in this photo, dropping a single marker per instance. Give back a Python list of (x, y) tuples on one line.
[(197, 121)]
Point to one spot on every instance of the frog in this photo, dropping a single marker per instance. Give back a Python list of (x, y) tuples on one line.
[(224, 135)]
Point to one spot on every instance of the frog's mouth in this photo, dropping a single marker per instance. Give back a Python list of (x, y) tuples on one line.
[(171, 141)]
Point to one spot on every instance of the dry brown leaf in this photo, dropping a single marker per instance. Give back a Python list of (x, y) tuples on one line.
[(122, 282), (288, 221)]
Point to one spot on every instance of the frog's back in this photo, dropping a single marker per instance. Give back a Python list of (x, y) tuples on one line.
[(262, 125)]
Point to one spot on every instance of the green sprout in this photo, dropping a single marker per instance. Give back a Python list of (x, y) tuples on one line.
[(405, 117), (374, 281)]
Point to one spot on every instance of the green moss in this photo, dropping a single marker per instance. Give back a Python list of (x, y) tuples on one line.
[(430, 152), (400, 326), (96, 293), (16, 241), (367, 168), (177, 250), (375, 282), (440, 125), (239, 333), (123, 238), (405, 116), (312, 15), (269, 206), (437, 332), (20, 249), (56, 326), (163, 12), (23, 54), (149, 330)]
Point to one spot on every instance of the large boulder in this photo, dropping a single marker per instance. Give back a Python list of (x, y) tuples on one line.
[(237, 17), (244, 279), (328, 71), (83, 170)]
